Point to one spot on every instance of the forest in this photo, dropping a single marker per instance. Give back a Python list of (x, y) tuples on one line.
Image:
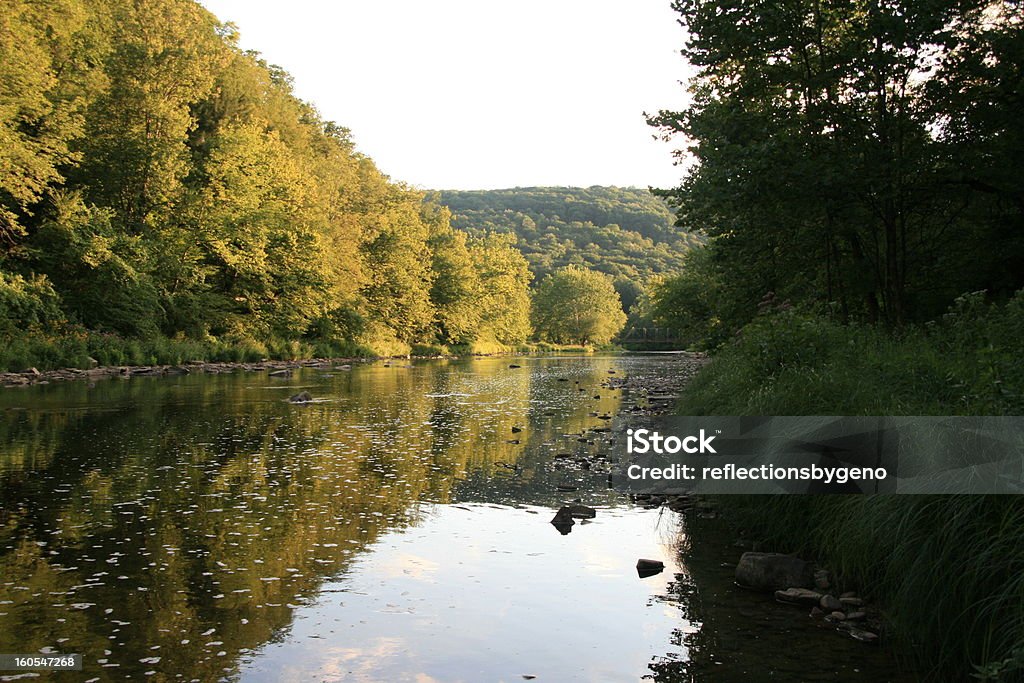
[(626, 233), (165, 196)]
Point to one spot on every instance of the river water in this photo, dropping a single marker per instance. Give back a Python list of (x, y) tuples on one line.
[(201, 527)]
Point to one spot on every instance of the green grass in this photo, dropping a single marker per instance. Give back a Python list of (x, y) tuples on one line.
[(948, 570)]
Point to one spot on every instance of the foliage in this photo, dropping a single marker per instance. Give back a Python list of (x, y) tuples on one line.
[(574, 305), (28, 304), (690, 302), (627, 233), (860, 157), (156, 182)]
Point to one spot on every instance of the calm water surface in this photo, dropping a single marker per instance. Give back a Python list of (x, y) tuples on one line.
[(203, 528)]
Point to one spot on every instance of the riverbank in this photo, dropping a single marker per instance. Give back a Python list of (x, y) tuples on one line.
[(928, 562), (33, 376)]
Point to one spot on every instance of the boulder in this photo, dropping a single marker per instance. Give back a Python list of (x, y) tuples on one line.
[(301, 397), (851, 601), (563, 521), (773, 571), (830, 603), (645, 568)]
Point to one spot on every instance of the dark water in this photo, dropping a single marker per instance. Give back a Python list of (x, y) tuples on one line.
[(203, 528)]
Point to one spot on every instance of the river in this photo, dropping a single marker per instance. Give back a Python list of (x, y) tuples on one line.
[(201, 527)]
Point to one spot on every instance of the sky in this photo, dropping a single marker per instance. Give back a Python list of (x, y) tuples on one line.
[(481, 94)]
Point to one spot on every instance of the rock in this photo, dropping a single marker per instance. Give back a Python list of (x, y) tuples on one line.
[(851, 601), (33, 371), (513, 366), (855, 616), (564, 488), (798, 596), (821, 580), (645, 568), (838, 616), (773, 571), (848, 594), (816, 611), (830, 603), (581, 511), (178, 370), (343, 367), (563, 521), (281, 373), (862, 635), (301, 397), (516, 429)]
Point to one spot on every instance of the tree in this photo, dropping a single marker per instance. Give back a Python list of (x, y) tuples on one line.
[(455, 291), (819, 175), (574, 305), (503, 296), (47, 49)]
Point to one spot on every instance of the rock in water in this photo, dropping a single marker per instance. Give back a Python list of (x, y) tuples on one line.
[(302, 397), (513, 366), (281, 373), (516, 429), (563, 521), (799, 596), (580, 511), (773, 571), (645, 568)]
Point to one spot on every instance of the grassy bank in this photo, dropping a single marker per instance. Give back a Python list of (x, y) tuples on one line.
[(949, 570), (86, 349)]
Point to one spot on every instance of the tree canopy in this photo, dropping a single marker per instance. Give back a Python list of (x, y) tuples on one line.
[(862, 158), (157, 180), (575, 305)]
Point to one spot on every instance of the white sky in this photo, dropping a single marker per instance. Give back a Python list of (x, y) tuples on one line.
[(480, 94)]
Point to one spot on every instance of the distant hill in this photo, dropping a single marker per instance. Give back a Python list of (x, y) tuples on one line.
[(623, 231)]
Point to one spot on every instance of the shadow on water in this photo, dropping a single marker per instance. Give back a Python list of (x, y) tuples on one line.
[(734, 635), (203, 528)]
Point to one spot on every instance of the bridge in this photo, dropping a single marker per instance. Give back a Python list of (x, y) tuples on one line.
[(651, 339)]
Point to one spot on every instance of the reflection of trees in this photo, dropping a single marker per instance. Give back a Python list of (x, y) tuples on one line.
[(165, 508)]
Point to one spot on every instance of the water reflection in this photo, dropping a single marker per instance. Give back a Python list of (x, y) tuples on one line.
[(201, 527)]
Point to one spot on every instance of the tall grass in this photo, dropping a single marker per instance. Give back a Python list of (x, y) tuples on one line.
[(948, 570)]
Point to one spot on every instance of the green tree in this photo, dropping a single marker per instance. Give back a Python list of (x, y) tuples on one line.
[(47, 49), (577, 306), (456, 287), (819, 171), (503, 297)]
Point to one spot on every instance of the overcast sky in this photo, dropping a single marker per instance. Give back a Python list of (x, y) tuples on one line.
[(477, 94)]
